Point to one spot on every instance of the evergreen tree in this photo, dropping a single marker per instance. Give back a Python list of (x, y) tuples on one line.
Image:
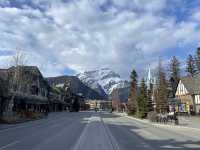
[(174, 74), (143, 100), (162, 92), (197, 59), (132, 102), (134, 76), (191, 68), (149, 100)]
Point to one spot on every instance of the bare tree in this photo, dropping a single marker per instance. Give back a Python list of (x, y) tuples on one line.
[(17, 61)]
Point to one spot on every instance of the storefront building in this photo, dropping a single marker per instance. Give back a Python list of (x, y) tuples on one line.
[(188, 92)]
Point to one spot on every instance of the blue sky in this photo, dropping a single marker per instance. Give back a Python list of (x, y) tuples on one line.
[(72, 36)]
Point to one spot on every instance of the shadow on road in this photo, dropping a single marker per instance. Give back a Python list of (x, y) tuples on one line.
[(130, 136)]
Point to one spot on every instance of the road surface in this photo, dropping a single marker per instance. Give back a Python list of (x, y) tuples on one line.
[(95, 131)]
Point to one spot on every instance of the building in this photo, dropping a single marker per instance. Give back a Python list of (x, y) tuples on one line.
[(27, 89), (99, 104), (3, 95), (151, 87), (57, 100), (150, 80), (188, 91), (70, 100)]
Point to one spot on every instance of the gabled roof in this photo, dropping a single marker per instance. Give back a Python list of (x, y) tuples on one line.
[(33, 69), (192, 84)]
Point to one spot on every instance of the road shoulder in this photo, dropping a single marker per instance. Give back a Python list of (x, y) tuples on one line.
[(145, 121)]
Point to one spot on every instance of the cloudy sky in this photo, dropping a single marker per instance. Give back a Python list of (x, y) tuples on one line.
[(71, 36)]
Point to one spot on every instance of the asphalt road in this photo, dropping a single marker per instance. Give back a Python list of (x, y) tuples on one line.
[(95, 131)]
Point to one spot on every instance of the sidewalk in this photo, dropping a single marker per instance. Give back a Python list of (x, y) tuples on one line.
[(192, 122)]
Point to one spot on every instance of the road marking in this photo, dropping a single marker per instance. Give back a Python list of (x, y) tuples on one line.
[(140, 139), (113, 141), (83, 134), (9, 145)]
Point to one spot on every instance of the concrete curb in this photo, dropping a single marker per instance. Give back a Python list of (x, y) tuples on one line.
[(157, 124)]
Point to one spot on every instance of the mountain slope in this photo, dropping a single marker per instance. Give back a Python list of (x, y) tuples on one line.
[(120, 94), (75, 85), (104, 81)]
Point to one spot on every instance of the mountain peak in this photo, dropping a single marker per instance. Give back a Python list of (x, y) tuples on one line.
[(104, 80)]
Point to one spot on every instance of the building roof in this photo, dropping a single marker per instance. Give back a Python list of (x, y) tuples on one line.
[(192, 84), (32, 69)]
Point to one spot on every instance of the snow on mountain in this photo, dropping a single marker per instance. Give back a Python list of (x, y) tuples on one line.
[(103, 80)]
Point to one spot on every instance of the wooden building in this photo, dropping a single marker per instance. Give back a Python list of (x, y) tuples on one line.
[(24, 89), (73, 101), (27, 89), (188, 91), (3, 95), (99, 104), (57, 100)]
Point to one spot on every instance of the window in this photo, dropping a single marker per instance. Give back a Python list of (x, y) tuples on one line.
[(197, 99)]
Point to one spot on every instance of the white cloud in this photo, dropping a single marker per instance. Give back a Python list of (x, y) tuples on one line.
[(81, 35)]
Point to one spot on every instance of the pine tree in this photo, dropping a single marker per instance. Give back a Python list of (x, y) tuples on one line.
[(132, 102), (174, 74), (197, 59), (162, 92), (191, 68), (134, 76), (143, 100), (149, 99)]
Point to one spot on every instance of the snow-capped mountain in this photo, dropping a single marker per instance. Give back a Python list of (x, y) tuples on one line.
[(104, 80)]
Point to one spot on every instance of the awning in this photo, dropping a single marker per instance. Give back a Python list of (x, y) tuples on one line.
[(29, 99), (57, 101)]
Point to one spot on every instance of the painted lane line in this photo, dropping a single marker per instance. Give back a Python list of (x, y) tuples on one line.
[(9, 145), (113, 141), (83, 134)]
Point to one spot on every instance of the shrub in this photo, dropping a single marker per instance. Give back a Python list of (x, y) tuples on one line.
[(152, 116)]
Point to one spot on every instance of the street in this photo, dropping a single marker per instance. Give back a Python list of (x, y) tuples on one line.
[(95, 131)]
